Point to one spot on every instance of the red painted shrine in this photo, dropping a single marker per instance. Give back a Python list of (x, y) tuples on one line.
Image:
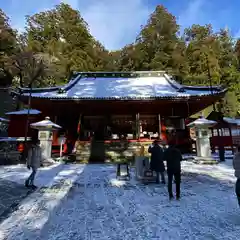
[(135, 106)]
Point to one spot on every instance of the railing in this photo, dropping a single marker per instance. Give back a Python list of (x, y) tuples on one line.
[(9, 153)]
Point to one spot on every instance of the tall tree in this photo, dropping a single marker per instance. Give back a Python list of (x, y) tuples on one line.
[(228, 62), (227, 58), (30, 69), (131, 58), (229, 106), (157, 47), (202, 50), (8, 46), (62, 33), (237, 52), (158, 39)]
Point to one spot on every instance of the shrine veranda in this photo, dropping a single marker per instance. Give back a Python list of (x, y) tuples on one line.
[(120, 111)]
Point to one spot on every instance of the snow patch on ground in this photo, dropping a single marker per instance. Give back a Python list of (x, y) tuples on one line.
[(35, 210), (87, 202), (19, 173)]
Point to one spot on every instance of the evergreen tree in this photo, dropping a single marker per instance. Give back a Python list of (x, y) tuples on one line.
[(62, 33), (8, 46), (158, 40), (227, 59), (59, 39), (202, 47), (229, 107)]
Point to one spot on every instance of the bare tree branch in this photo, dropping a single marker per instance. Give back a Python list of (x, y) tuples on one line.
[(29, 67)]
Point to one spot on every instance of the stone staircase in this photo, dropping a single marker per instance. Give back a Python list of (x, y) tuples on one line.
[(100, 151)]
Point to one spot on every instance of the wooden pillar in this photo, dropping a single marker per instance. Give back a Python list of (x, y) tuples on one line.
[(137, 126), (212, 145), (159, 127), (108, 130), (230, 134), (55, 133), (79, 126)]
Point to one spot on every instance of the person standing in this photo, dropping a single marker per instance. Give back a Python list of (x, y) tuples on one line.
[(157, 164), (33, 162), (221, 151), (173, 158), (236, 166)]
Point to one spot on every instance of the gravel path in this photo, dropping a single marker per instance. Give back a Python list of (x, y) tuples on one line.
[(11, 194), (98, 208), (94, 205)]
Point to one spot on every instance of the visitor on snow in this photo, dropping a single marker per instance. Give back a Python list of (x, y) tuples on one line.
[(173, 158), (157, 164), (33, 162), (236, 166)]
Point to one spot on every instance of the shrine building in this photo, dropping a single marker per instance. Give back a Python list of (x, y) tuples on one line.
[(110, 106)]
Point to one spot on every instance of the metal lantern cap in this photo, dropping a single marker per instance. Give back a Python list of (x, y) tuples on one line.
[(45, 124), (202, 122)]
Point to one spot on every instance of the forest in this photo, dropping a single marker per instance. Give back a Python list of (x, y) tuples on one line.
[(57, 42)]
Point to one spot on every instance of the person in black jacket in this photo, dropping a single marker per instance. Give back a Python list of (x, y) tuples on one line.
[(157, 163), (173, 158)]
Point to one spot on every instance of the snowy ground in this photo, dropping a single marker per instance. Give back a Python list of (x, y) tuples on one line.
[(87, 202)]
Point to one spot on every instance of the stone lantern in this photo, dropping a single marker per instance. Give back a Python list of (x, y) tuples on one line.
[(45, 135), (201, 126)]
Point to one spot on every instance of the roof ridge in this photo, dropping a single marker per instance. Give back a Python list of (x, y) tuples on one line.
[(124, 74), (173, 82), (71, 84)]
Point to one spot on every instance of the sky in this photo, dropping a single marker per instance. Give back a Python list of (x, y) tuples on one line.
[(116, 23)]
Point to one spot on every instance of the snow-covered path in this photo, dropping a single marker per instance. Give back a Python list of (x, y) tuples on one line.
[(97, 206)]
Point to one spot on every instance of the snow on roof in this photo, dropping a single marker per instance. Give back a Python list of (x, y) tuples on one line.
[(139, 85), (13, 139), (47, 123), (202, 122), (4, 120), (24, 112)]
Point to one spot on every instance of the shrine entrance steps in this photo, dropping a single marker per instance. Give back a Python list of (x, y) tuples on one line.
[(107, 152)]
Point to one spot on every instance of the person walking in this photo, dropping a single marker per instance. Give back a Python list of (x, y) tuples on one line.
[(157, 164), (33, 162), (236, 166), (173, 158)]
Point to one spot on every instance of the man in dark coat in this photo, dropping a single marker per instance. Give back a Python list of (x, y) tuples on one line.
[(157, 163), (236, 166), (173, 158)]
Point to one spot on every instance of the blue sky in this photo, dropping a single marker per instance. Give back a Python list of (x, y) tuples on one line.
[(116, 23)]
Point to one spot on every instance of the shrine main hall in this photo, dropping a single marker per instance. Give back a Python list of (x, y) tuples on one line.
[(108, 106)]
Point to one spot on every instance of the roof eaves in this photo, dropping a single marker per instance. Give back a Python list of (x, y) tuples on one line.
[(206, 88), (184, 96), (38, 90), (51, 89)]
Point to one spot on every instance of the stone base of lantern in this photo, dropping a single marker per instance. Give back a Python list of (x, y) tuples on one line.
[(205, 160)]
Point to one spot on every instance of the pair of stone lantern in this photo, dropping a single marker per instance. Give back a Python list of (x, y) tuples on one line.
[(201, 127)]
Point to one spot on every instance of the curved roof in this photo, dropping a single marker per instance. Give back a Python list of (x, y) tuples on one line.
[(202, 122), (24, 112), (233, 121), (122, 85), (45, 124), (4, 120)]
